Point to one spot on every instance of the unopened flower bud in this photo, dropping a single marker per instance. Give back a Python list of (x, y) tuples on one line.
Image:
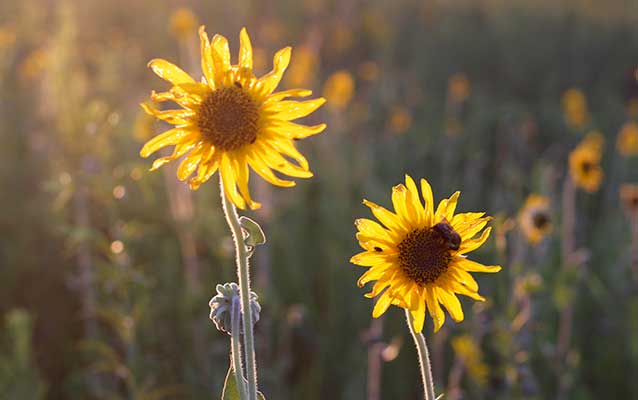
[(221, 306)]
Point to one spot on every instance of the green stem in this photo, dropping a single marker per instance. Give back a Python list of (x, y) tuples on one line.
[(243, 274), (424, 359), (235, 345)]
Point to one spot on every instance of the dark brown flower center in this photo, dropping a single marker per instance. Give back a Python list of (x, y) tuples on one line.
[(587, 166), (540, 220), (425, 254), (228, 118)]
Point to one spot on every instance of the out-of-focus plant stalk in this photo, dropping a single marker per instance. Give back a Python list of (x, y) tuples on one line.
[(243, 274), (424, 359), (374, 359), (567, 250), (235, 317)]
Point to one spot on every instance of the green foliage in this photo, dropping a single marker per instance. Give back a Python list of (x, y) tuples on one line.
[(19, 375)]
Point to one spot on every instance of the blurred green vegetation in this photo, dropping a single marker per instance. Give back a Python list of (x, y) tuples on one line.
[(116, 264)]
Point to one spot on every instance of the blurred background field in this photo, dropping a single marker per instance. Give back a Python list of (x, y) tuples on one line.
[(106, 269)]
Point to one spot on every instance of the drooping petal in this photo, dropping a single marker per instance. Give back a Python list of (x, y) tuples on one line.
[(241, 170), (434, 308), (190, 162), (205, 170), (383, 302), (180, 149), (229, 181), (418, 314), (451, 304), (169, 72), (261, 168)]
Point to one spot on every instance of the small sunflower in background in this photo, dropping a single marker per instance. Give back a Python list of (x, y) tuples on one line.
[(232, 120), (339, 89), (575, 108), (534, 219), (629, 197), (418, 256), (584, 162), (627, 142), (183, 23), (466, 349)]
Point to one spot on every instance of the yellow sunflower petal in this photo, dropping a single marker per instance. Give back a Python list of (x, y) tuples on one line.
[(290, 109), (399, 196), (287, 148), (169, 72), (168, 138), (457, 287), (428, 198), (229, 181), (373, 229), (387, 218), (473, 266), (434, 308), (207, 57), (451, 304), (369, 258), (275, 161), (473, 244), (245, 50), (418, 315), (292, 130), (180, 149), (173, 117), (269, 82), (414, 204), (446, 208), (288, 93), (378, 287), (241, 169), (204, 172), (462, 276), (383, 302), (221, 59), (263, 170), (190, 162)]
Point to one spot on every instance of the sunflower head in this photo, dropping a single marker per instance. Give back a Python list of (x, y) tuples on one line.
[(584, 162), (627, 142), (534, 219), (417, 255), (232, 120)]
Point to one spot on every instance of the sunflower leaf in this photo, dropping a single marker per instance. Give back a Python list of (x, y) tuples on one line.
[(253, 234), (230, 391)]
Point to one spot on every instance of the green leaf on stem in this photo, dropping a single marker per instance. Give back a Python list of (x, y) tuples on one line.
[(253, 234), (230, 391)]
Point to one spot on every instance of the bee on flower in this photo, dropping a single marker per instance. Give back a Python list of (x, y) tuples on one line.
[(418, 254)]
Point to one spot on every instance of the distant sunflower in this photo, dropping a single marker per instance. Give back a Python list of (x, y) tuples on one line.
[(584, 162), (627, 142), (232, 120), (534, 218), (417, 257)]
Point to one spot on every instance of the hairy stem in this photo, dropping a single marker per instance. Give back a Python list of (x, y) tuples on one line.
[(243, 274), (424, 359), (235, 345)]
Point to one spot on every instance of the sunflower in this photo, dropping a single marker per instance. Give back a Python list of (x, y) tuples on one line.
[(627, 142), (584, 162), (418, 257), (232, 120), (534, 218)]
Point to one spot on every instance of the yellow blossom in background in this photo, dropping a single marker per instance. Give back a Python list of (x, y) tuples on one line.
[(7, 36), (458, 88), (418, 256), (339, 90), (534, 219), (33, 66), (304, 68), (584, 162), (232, 120), (272, 31), (466, 348), (575, 108), (400, 120), (183, 23), (629, 197), (144, 125), (627, 142), (632, 107)]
